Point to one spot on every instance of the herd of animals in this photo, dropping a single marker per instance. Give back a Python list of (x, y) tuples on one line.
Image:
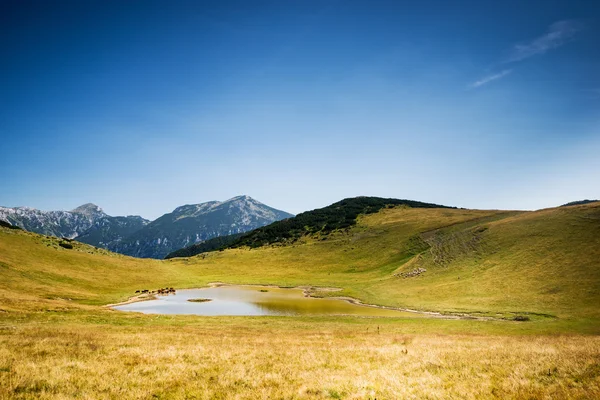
[(163, 291)]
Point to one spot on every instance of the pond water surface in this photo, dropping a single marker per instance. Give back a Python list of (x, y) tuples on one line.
[(253, 300)]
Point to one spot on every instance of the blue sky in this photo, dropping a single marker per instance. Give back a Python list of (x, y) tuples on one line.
[(142, 106)]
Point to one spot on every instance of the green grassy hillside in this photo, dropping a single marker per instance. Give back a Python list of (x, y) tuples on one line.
[(57, 342), (322, 221), (544, 262), (448, 260)]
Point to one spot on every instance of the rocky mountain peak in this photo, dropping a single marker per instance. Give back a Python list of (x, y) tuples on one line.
[(89, 209), (240, 198), (135, 236)]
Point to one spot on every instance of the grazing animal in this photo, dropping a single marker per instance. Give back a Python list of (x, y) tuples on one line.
[(165, 291)]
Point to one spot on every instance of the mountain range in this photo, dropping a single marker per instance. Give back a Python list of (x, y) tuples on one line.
[(138, 237), (67, 224)]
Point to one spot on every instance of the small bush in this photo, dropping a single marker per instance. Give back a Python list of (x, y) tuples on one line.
[(521, 318), (8, 225), (66, 245)]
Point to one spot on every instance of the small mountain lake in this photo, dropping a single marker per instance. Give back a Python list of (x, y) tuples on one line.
[(253, 301)]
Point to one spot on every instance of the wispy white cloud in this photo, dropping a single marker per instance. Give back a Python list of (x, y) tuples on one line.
[(490, 78), (558, 34)]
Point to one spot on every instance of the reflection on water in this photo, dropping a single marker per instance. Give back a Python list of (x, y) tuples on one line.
[(252, 300)]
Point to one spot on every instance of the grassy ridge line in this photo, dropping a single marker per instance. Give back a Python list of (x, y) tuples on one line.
[(579, 202), (543, 262), (337, 216)]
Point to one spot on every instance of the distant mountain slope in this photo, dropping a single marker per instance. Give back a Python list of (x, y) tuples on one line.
[(87, 223), (217, 243), (194, 223), (138, 237), (108, 231), (69, 224)]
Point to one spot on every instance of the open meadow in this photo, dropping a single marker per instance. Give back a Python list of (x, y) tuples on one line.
[(525, 284)]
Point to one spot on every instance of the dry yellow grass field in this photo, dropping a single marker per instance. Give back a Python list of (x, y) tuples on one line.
[(276, 359), (57, 341)]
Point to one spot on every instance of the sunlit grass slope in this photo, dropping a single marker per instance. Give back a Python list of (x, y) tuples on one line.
[(56, 342), (544, 262), (449, 260), (35, 269)]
